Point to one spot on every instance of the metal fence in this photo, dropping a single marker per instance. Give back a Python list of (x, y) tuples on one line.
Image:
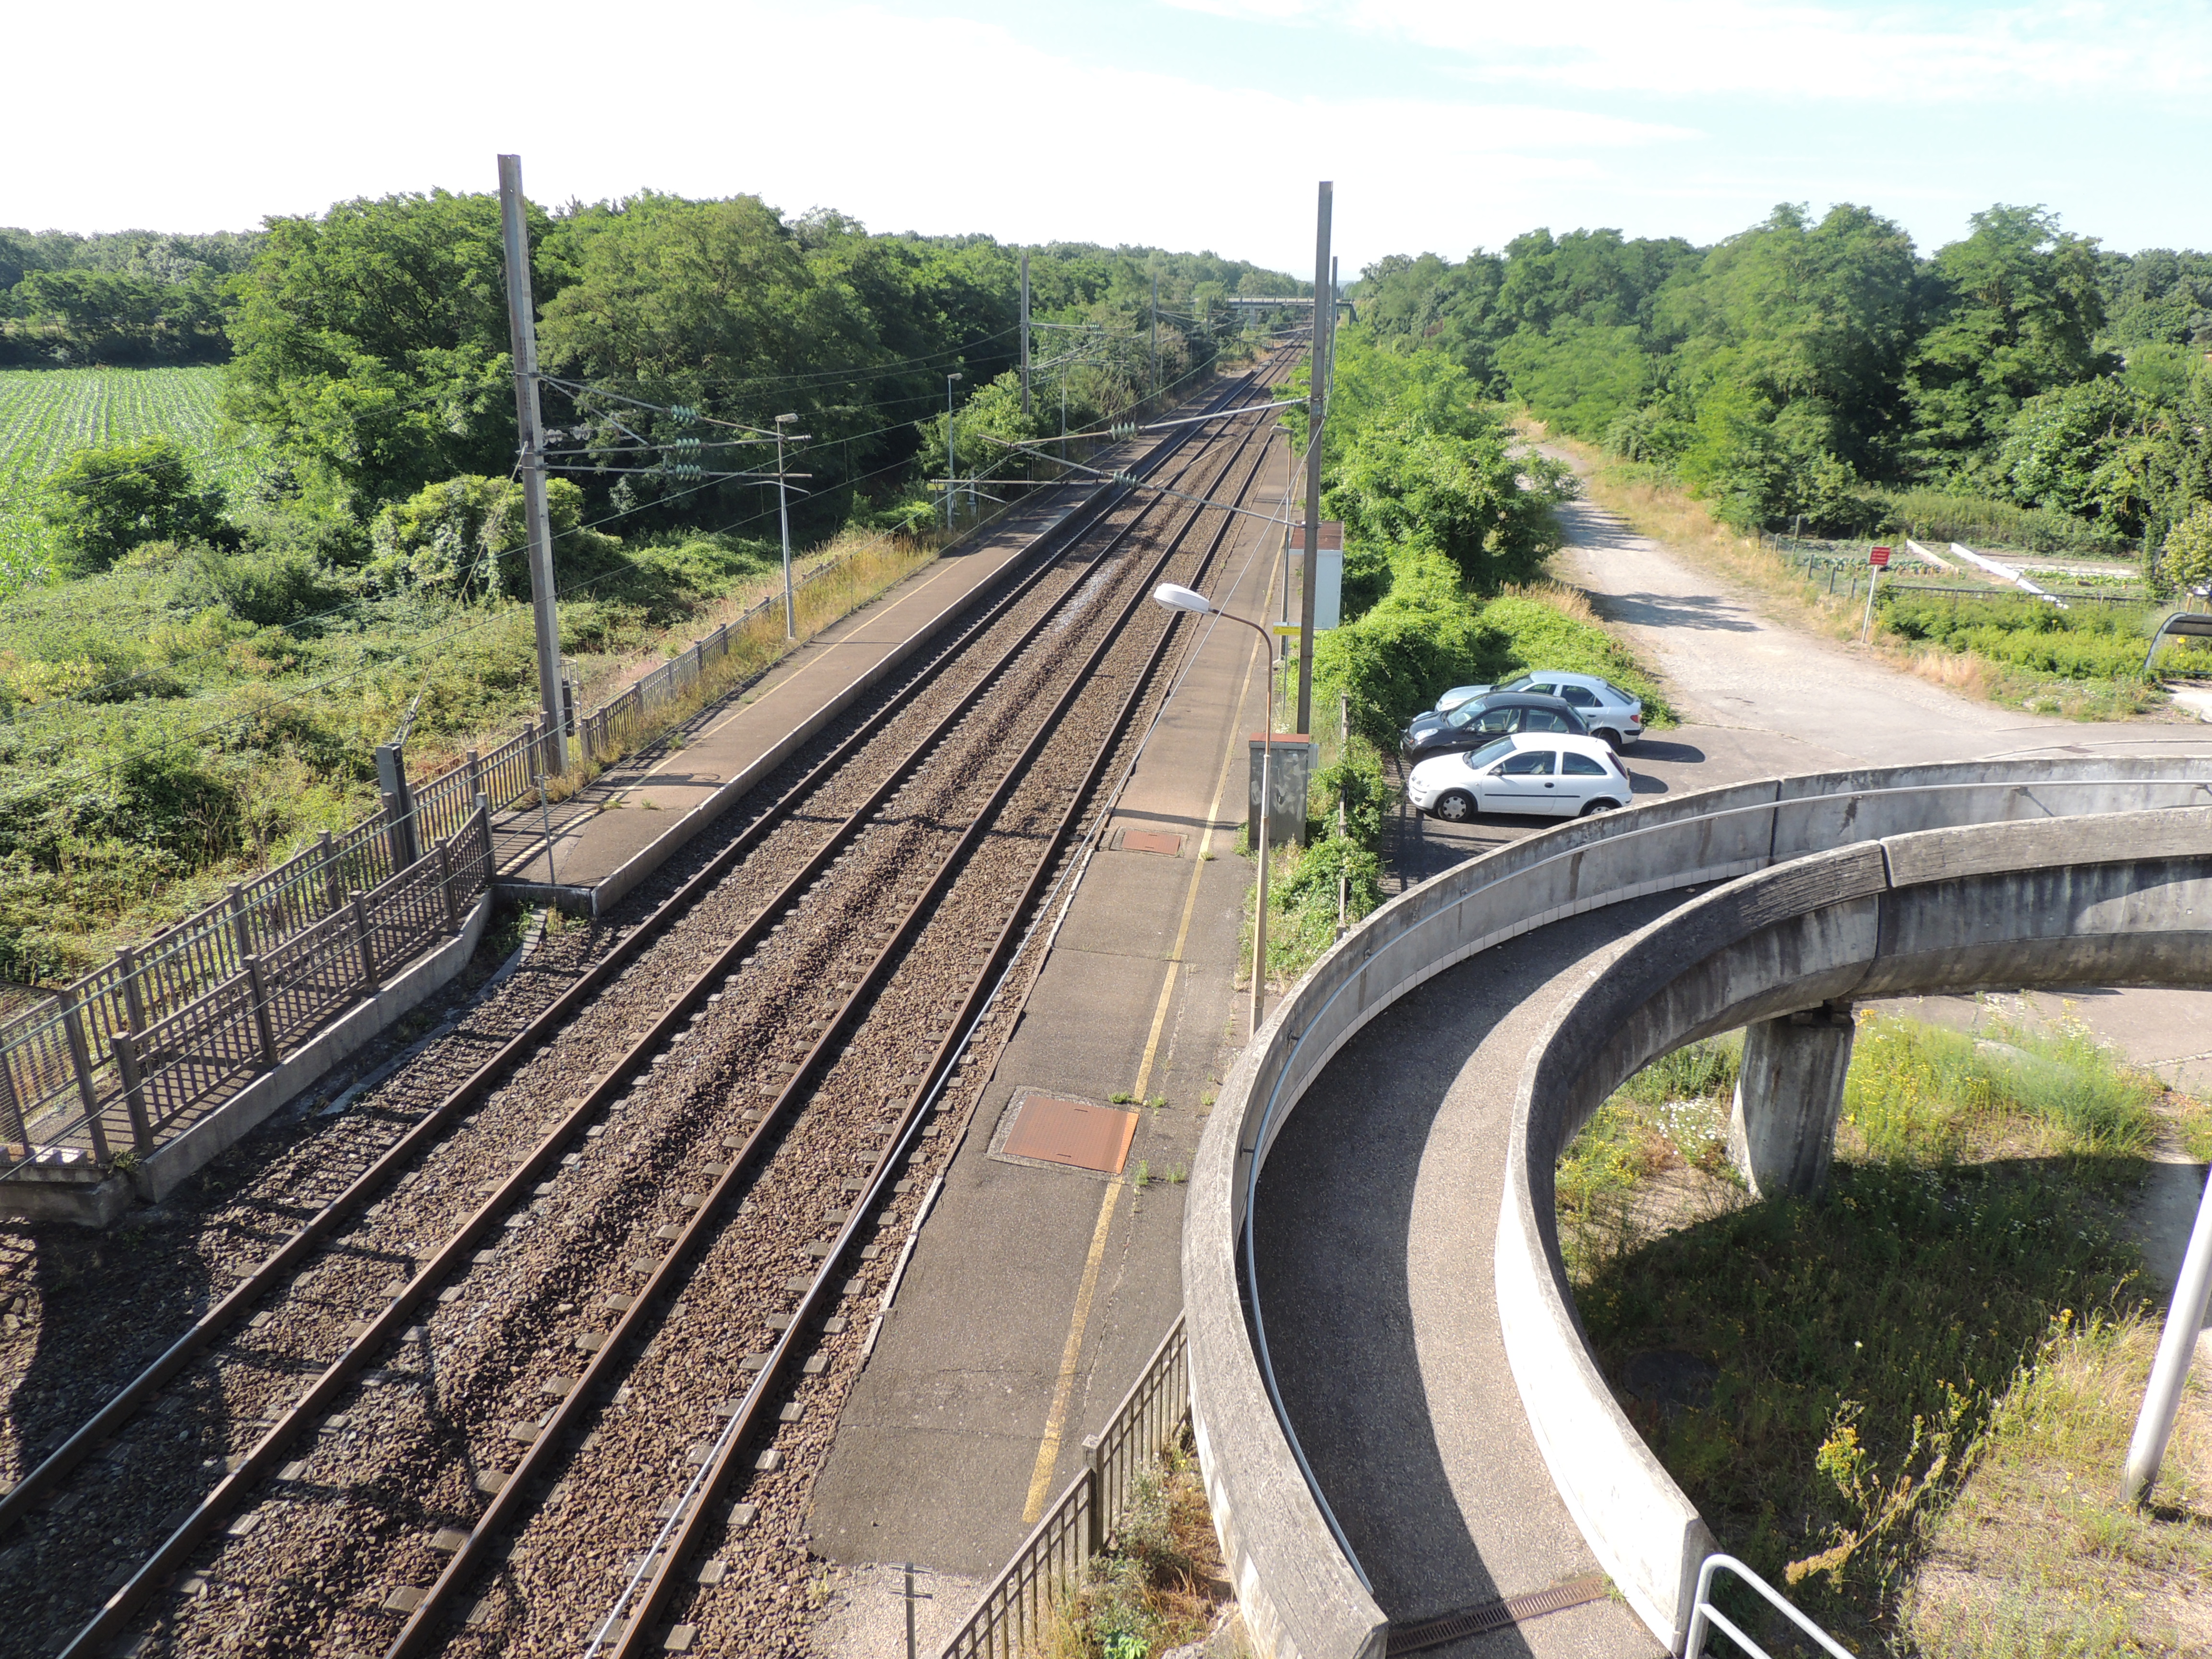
[(1016, 1611), (192, 1018)]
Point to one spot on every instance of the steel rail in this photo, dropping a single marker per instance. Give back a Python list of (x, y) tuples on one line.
[(265, 1454), (660, 1287), (110, 1420), (693, 1521)]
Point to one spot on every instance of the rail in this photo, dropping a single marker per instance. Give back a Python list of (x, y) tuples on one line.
[(1017, 1609), (1705, 1613)]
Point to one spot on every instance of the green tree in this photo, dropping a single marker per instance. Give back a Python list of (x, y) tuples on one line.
[(103, 502), (372, 345), (2018, 314), (2185, 561)]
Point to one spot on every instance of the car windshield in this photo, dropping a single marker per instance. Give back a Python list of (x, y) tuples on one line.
[(1519, 683), (1466, 712), (1488, 753)]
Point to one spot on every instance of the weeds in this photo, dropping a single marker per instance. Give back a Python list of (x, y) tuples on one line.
[(1159, 1584), (1870, 1347)]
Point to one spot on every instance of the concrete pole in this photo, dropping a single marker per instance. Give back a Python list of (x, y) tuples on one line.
[(1025, 333), (1788, 1096), (949, 453), (522, 345), (2192, 1291), (783, 518), (1156, 333), (1315, 414)]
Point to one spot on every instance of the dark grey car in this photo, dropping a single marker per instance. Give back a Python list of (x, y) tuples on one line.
[(1486, 718)]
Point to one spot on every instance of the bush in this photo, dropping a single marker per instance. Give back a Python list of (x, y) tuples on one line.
[(2087, 642), (269, 587), (103, 502), (2185, 560)]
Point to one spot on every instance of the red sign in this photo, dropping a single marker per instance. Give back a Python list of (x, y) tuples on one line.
[(1878, 557)]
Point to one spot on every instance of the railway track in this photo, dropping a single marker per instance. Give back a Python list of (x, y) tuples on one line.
[(762, 1038)]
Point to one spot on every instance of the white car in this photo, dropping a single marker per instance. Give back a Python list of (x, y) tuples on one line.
[(1542, 774), (1608, 711)]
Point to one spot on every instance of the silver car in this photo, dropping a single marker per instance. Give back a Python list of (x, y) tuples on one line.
[(1609, 711)]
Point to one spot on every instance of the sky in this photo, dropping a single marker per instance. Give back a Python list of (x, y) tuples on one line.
[(1444, 124)]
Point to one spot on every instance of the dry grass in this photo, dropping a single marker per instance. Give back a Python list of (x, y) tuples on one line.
[(1161, 1584), (2038, 1555), (1569, 601), (1666, 514), (856, 570)]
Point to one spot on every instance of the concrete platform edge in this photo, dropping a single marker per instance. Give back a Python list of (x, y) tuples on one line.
[(170, 1166)]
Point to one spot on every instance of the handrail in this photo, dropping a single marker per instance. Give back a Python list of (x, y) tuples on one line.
[(1705, 1612)]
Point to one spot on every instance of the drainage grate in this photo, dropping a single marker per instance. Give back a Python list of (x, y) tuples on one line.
[(1496, 1615), (1072, 1132)]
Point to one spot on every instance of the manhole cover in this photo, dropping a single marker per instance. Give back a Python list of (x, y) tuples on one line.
[(1072, 1132), (1152, 841)]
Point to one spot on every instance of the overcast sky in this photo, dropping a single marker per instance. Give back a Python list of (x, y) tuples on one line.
[(1445, 124)]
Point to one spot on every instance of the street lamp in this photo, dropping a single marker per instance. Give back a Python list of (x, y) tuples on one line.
[(949, 462), (1175, 598), (783, 512)]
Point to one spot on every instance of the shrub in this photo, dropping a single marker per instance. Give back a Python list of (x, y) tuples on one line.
[(103, 502), (2184, 561), (2089, 641)]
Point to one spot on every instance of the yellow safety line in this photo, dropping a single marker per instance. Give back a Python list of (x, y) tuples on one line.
[(1055, 1422)]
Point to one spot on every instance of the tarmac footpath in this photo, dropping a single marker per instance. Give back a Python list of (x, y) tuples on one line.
[(1037, 1290)]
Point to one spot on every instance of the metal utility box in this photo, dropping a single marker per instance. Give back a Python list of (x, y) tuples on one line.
[(1328, 570), (1293, 770)]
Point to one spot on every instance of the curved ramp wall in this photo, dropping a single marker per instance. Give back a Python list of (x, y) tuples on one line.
[(1301, 1595)]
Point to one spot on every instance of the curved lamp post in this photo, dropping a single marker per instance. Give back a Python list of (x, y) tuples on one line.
[(1175, 598)]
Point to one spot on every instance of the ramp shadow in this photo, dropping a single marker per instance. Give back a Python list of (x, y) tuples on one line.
[(1377, 1209)]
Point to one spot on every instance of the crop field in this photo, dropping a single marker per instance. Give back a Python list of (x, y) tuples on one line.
[(47, 415)]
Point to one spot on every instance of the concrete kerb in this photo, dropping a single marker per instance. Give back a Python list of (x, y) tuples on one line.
[(2118, 898), (170, 1165), (1301, 1596)]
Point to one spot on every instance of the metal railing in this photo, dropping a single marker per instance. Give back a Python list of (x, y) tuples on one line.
[(190, 1019), (1705, 1613), (1016, 1610)]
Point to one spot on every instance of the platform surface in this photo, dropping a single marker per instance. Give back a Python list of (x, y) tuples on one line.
[(638, 811)]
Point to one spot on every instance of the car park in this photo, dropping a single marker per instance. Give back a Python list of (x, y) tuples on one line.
[(1482, 720), (1607, 711), (1540, 774)]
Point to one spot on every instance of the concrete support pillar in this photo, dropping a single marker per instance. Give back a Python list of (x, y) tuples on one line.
[(1782, 1133)]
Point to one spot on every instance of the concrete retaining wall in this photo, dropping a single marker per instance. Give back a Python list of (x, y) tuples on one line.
[(1301, 1596), (2114, 899)]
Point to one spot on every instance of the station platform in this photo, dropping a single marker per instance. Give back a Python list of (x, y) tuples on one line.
[(1036, 1293), (621, 827)]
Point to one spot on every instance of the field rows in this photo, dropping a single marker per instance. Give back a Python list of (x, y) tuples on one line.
[(48, 415)]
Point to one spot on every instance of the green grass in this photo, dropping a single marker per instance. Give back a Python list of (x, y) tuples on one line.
[(48, 415), (156, 746), (1870, 1347)]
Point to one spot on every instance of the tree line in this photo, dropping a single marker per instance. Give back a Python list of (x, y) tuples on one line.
[(1813, 370), (133, 297), (368, 347)]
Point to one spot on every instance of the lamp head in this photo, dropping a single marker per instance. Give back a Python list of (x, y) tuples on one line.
[(783, 420), (1181, 598)]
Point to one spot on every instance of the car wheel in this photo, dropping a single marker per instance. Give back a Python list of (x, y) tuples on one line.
[(1612, 739), (1592, 809), (1454, 806)]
